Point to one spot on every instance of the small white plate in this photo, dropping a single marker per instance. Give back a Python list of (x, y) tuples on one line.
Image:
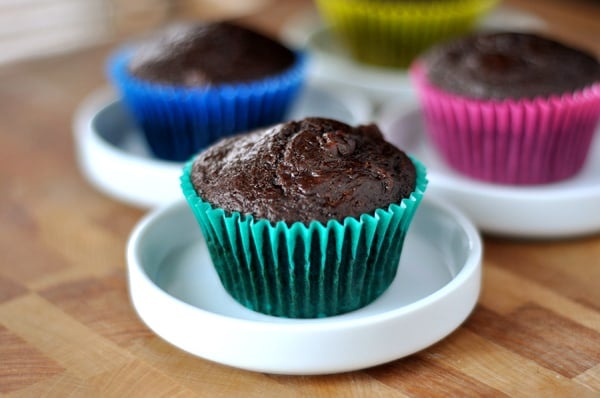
[(332, 62), (113, 155), (564, 209), (177, 293)]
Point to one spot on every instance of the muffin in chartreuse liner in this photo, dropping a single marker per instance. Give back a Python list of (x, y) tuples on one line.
[(510, 108), (305, 219), (191, 84), (392, 33)]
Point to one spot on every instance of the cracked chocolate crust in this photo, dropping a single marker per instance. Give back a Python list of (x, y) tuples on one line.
[(510, 65), (312, 169), (204, 54)]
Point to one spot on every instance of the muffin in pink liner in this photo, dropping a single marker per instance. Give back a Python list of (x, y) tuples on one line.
[(509, 108)]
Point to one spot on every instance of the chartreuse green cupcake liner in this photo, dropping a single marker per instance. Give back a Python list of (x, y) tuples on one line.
[(393, 33), (305, 271)]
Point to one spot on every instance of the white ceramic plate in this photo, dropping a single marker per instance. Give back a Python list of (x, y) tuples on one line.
[(332, 62), (564, 209), (177, 293), (114, 157)]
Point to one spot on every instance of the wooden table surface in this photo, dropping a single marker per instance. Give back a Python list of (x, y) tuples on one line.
[(67, 327)]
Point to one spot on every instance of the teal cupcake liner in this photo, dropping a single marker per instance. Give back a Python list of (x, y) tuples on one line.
[(305, 271), (394, 33)]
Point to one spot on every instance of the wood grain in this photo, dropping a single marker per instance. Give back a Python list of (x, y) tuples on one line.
[(67, 327)]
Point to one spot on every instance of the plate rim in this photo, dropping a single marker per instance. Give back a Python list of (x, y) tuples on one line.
[(379, 83), (450, 184)]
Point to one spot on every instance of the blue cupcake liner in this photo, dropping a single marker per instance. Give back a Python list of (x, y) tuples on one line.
[(178, 121), (305, 271)]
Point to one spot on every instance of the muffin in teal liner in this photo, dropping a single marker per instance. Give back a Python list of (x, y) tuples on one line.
[(192, 84), (305, 219)]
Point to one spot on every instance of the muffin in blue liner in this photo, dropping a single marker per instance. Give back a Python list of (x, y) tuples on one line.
[(305, 269), (182, 107)]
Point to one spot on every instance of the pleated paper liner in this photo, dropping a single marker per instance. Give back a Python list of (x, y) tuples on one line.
[(393, 33), (519, 142), (179, 121), (305, 271)]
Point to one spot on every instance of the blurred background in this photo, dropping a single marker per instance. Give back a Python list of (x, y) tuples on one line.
[(37, 28)]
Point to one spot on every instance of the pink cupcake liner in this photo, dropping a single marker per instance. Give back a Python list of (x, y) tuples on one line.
[(520, 142)]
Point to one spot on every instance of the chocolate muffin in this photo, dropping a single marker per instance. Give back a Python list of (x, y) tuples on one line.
[(313, 169), (510, 108), (307, 218), (209, 53), (190, 84), (510, 65)]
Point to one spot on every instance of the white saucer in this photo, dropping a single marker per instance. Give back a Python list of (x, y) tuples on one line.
[(114, 157), (332, 62), (564, 209), (177, 293)]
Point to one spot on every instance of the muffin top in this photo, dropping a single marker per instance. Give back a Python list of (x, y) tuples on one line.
[(311, 169), (203, 54), (509, 65)]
